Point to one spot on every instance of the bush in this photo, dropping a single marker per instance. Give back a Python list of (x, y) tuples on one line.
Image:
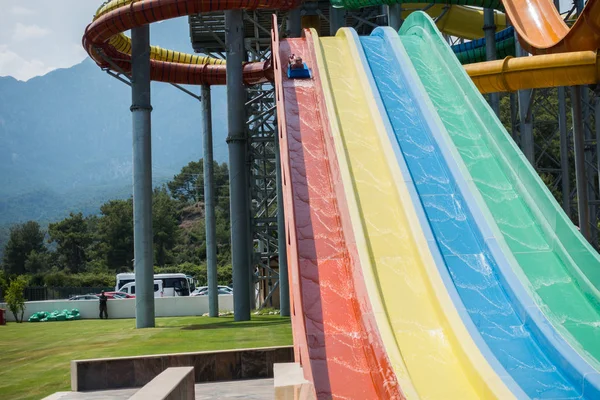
[(15, 297)]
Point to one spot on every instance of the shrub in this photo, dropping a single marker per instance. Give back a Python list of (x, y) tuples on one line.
[(15, 297)]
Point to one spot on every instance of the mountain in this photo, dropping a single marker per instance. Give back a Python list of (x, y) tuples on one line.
[(65, 137)]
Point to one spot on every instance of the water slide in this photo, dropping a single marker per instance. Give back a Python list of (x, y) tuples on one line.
[(334, 328), (466, 249), (558, 267), (421, 331)]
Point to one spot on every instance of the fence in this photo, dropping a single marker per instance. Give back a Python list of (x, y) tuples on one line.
[(40, 293)]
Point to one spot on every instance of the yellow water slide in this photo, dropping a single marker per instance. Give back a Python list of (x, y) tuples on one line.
[(437, 357), (456, 20)]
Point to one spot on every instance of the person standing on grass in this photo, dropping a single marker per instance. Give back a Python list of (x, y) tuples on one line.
[(103, 308)]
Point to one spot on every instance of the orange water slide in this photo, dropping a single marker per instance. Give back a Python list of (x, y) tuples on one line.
[(336, 339), (542, 30)]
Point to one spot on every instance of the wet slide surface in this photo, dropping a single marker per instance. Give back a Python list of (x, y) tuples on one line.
[(340, 353), (434, 344), (474, 270), (542, 240)]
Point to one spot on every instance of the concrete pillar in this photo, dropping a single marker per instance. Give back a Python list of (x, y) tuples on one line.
[(209, 206), (525, 124), (142, 177), (337, 19), (284, 285), (395, 16), (580, 172), (295, 23), (564, 151), (489, 27), (238, 182)]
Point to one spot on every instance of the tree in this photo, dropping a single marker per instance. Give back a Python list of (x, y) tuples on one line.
[(37, 262), (15, 297), (72, 238), (24, 239), (165, 226), (188, 185), (115, 234)]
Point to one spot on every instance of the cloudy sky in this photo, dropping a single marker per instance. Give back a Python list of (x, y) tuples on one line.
[(38, 36)]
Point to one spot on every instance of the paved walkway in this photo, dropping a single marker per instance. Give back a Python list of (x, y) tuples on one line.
[(255, 389)]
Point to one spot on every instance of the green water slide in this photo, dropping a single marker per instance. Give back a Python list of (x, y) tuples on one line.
[(557, 265)]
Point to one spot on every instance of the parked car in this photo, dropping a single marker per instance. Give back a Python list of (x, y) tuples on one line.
[(85, 297), (204, 291), (118, 295)]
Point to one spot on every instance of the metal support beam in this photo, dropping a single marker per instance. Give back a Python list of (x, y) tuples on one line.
[(142, 177), (238, 183), (209, 206), (525, 123), (284, 288), (564, 151), (580, 173), (337, 19), (489, 27)]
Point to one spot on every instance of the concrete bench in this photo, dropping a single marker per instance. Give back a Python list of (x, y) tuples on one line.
[(172, 384)]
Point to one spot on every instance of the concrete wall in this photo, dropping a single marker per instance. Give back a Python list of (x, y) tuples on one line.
[(209, 366), (164, 307)]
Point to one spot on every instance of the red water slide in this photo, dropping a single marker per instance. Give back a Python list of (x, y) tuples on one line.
[(96, 39), (335, 335)]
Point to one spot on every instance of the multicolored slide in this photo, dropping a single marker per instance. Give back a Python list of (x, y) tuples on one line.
[(452, 302)]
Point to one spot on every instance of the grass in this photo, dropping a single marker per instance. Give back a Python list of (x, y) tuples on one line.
[(35, 357)]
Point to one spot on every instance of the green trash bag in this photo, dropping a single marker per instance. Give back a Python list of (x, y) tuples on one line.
[(44, 320), (51, 317), (42, 314), (76, 317), (74, 311), (34, 318)]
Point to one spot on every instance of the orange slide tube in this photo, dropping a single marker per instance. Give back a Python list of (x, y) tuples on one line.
[(510, 74), (542, 30), (96, 39)]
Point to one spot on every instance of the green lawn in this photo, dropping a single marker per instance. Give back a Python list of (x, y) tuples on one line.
[(34, 357)]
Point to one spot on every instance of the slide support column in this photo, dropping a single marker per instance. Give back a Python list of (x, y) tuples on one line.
[(395, 16), (564, 151), (238, 183), (580, 173), (525, 124), (141, 109), (489, 27), (209, 206)]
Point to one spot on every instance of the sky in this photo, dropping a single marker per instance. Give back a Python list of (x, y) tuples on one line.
[(38, 36)]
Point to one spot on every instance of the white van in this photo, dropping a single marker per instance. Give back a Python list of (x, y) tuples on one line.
[(129, 288), (172, 284)]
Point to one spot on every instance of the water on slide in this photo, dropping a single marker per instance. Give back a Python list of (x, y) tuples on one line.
[(474, 270), (434, 344), (525, 212)]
